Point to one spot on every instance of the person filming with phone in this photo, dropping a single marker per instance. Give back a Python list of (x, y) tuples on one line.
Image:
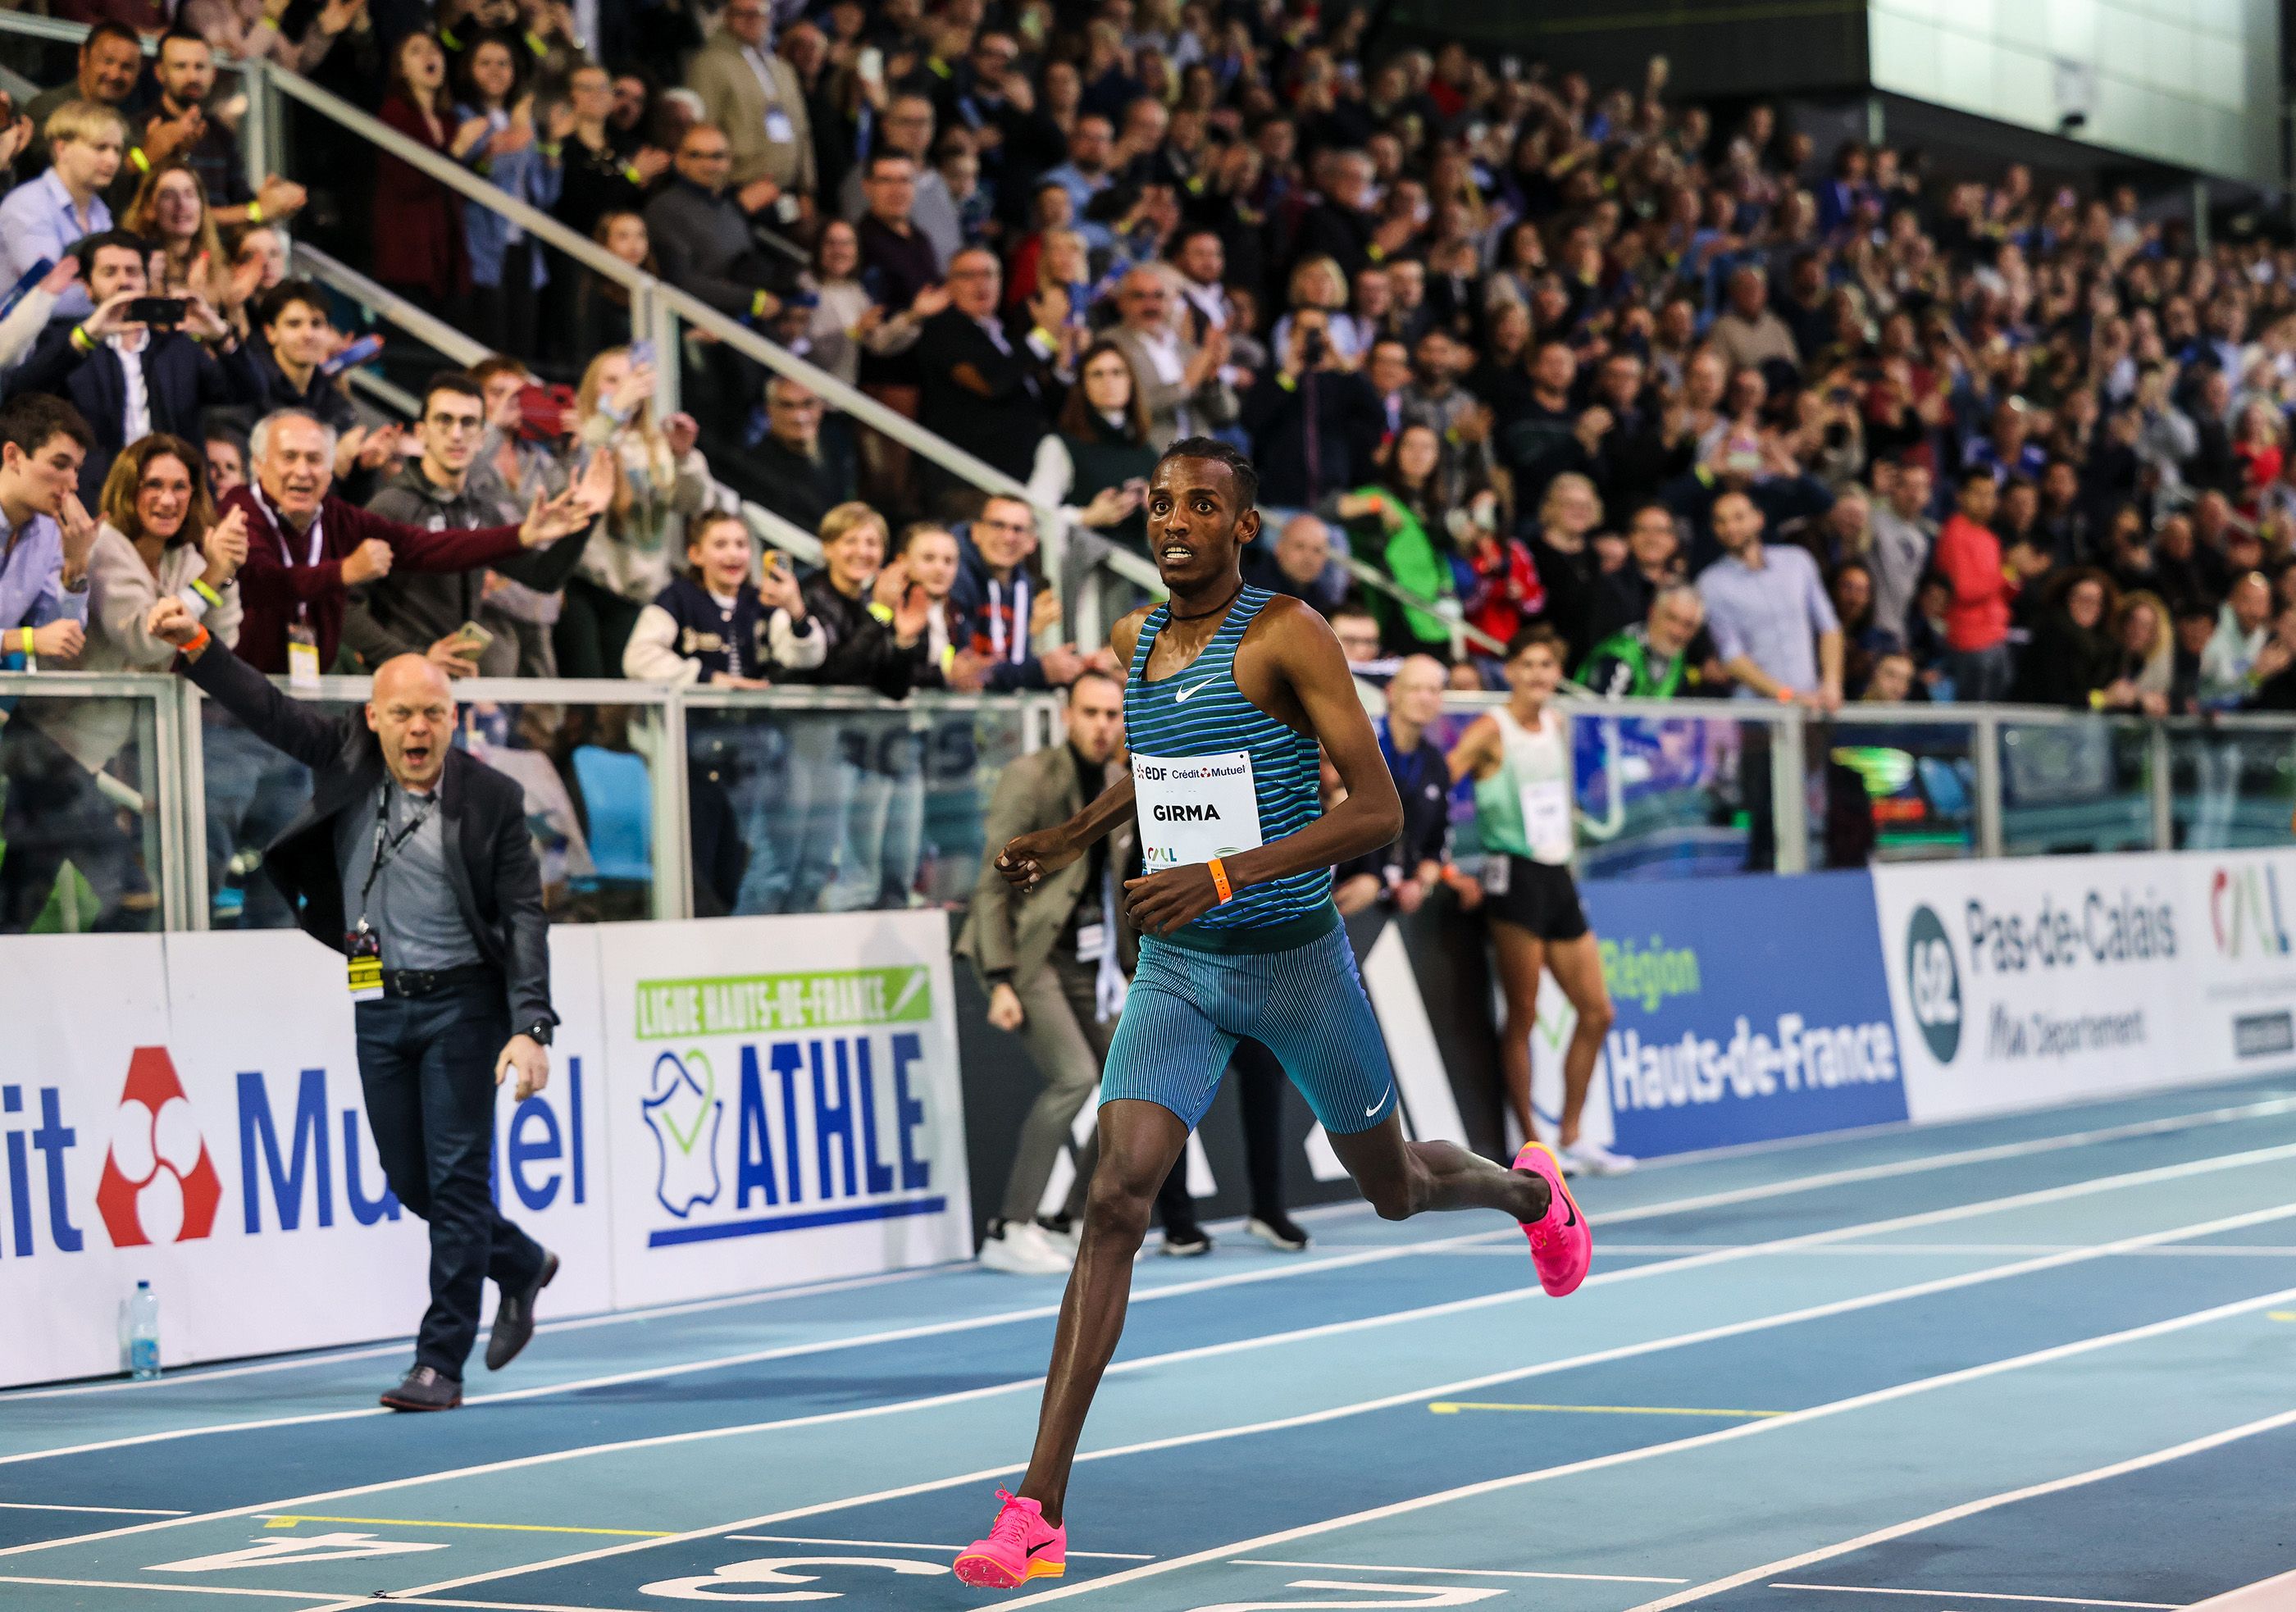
[(412, 859), (443, 616), (137, 364)]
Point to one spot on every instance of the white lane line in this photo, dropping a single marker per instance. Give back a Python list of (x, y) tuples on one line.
[(1749, 1429), (1450, 1389), (1364, 1567), (118, 1583), (2265, 1595), (895, 1544), (1334, 1413), (194, 1375), (1357, 1255), (2046, 1600), (29, 1505), (2055, 1486)]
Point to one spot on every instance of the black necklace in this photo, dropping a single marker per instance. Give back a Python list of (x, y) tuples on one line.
[(1218, 609)]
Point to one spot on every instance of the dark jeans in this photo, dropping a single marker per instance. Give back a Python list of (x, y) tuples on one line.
[(428, 1068), (593, 626)]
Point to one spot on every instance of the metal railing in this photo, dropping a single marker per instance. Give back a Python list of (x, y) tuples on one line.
[(2035, 780)]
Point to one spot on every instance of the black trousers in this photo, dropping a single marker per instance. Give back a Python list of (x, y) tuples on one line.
[(427, 1066)]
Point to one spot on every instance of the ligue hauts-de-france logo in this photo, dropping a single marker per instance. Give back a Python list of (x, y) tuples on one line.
[(683, 1111), (1933, 984)]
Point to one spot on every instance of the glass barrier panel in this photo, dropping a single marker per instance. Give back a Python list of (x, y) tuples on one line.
[(842, 811), (79, 816), (1671, 797), (1891, 791), (587, 771), (2232, 787), (2070, 788)]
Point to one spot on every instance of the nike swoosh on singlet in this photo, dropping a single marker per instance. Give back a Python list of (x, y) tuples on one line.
[(1183, 696)]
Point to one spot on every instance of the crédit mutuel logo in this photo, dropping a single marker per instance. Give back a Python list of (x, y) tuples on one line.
[(1933, 984), (158, 1184)]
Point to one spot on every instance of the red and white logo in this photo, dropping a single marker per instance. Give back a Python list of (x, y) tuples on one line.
[(159, 1183)]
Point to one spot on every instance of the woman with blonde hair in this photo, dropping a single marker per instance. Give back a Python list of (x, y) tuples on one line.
[(1317, 282), (660, 479), (1564, 553), (2148, 645)]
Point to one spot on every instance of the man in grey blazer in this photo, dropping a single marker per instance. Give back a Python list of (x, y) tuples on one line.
[(757, 98), (1179, 382), (1056, 958)]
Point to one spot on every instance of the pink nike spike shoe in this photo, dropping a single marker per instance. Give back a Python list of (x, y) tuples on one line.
[(1562, 1245), (1021, 1545)]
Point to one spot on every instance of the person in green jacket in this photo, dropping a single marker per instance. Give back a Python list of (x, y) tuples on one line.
[(1650, 659), (1396, 524)]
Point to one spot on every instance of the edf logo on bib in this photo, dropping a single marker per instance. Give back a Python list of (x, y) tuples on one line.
[(1933, 984)]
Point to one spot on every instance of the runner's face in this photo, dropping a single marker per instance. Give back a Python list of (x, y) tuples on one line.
[(1194, 527), (1534, 673)]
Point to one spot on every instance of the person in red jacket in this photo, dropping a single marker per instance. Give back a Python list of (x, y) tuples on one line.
[(306, 549), (1977, 621)]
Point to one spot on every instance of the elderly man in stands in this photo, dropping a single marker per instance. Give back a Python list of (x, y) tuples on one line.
[(1178, 379), (1299, 563), (798, 474), (985, 389), (307, 549)]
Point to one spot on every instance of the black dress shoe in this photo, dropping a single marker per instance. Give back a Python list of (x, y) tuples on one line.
[(424, 1389), (1186, 1242), (514, 1317), (1278, 1230)]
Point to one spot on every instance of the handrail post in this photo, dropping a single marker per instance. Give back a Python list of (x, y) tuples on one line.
[(257, 131), (164, 799), (673, 824), (1789, 783), (1989, 785), (656, 320), (191, 748), (2160, 763)]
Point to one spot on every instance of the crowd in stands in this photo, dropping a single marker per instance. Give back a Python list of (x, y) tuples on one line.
[(1729, 412)]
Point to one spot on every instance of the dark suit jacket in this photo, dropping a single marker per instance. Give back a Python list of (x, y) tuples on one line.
[(181, 379), (1002, 426), (489, 859)]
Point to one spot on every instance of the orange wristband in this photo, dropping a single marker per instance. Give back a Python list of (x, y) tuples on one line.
[(1220, 880), (196, 644)]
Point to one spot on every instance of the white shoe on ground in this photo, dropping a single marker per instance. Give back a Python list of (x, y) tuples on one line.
[(1585, 1158), (1021, 1247)]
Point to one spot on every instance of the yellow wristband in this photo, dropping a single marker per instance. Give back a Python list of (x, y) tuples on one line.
[(201, 587), (633, 175), (255, 212), (1220, 880), (136, 155), (881, 613), (80, 339)]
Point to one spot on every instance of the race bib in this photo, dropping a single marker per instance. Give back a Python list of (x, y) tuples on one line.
[(1546, 820), (1193, 808)]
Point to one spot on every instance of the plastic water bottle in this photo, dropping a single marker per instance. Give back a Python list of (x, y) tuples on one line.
[(144, 1332)]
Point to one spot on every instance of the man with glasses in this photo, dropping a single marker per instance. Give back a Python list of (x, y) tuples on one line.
[(897, 258), (798, 475), (985, 388), (431, 613), (989, 95), (754, 96), (906, 127), (700, 227), (1178, 381)]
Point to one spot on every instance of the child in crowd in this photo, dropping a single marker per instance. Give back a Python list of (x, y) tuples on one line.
[(716, 626)]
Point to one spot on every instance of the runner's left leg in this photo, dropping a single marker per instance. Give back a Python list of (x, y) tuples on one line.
[(1139, 1143), (1576, 966)]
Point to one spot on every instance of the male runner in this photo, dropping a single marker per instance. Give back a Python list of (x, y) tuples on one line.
[(1231, 690)]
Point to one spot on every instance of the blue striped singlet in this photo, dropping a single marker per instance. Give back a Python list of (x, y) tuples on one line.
[(1199, 711)]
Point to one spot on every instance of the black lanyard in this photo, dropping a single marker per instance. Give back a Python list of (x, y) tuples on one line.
[(388, 845)]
